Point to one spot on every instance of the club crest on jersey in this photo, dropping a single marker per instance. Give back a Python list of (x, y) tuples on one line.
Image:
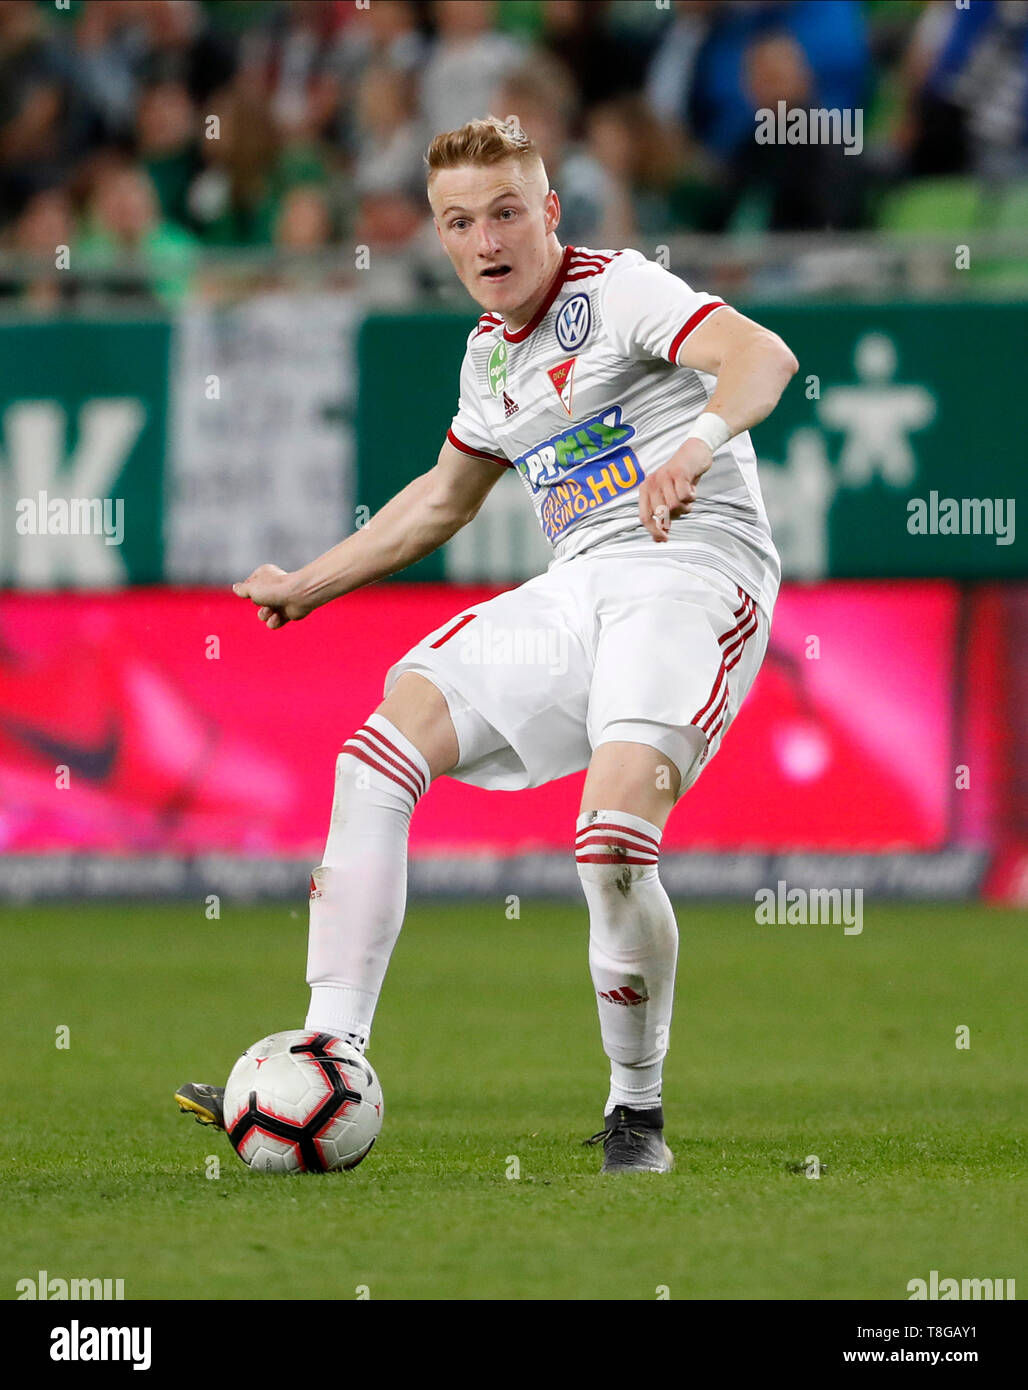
[(497, 368), (562, 376), (573, 322)]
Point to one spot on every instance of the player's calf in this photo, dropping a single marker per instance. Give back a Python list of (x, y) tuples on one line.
[(633, 950)]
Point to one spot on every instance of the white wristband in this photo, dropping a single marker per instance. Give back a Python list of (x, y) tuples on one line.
[(712, 430)]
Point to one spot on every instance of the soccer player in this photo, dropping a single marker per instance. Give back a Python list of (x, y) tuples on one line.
[(622, 397)]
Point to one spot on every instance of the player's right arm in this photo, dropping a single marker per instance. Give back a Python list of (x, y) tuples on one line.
[(411, 525)]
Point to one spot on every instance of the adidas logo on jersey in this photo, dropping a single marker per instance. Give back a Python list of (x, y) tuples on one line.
[(509, 407)]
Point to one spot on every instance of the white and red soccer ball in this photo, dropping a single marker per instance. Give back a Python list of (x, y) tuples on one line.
[(302, 1102)]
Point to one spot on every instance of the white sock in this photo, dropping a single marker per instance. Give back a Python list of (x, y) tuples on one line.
[(633, 950), (359, 891)]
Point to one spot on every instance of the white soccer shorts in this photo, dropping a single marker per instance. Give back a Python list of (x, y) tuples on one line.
[(602, 648)]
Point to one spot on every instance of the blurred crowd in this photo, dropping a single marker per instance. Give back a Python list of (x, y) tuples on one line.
[(139, 132)]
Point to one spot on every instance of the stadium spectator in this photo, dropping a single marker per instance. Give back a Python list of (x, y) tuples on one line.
[(718, 64), (292, 57), (390, 155), (304, 221), (466, 62), (166, 143), (122, 46), (543, 97), (46, 223), (233, 201), (305, 230), (606, 58), (928, 136), (34, 148), (975, 87), (387, 221), (646, 117), (644, 159), (611, 142), (125, 234), (181, 46), (109, 45), (670, 76), (793, 187), (386, 34)]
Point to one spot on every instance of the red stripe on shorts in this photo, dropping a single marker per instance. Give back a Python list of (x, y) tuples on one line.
[(711, 714), (453, 630)]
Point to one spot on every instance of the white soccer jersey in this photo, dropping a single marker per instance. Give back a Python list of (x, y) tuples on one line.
[(587, 399)]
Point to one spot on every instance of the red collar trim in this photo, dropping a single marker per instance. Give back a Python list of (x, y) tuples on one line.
[(544, 307)]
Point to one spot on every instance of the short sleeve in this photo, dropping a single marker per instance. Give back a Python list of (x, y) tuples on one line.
[(469, 432), (648, 312)]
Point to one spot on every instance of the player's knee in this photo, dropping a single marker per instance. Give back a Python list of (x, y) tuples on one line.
[(615, 852), (378, 765), (417, 708), (612, 885), (654, 762)]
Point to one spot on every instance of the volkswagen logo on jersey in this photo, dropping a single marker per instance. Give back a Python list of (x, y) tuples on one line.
[(573, 322)]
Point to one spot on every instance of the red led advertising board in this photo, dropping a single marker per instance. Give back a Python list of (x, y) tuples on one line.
[(186, 727)]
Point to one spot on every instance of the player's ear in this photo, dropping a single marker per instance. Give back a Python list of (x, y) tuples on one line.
[(552, 206)]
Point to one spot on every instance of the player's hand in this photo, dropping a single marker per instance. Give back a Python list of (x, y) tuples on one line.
[(274, 592), (670, 491)]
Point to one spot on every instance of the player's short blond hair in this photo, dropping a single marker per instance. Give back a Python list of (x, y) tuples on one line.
[(481, 143)]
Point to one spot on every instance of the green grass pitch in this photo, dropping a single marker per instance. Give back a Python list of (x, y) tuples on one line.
[(788, 1041)]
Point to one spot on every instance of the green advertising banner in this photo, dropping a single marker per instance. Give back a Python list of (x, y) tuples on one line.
[(188, 451), (185, 450), (83, 434), (894, 451)]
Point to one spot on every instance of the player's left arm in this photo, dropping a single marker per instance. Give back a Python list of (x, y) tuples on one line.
[(753, 366)]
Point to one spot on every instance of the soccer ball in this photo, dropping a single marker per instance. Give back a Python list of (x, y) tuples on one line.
[(302, 1102)]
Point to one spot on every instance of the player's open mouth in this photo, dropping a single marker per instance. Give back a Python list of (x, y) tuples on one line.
[(497, 272)]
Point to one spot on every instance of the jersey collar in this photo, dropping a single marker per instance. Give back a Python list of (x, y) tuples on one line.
[(544, 307)]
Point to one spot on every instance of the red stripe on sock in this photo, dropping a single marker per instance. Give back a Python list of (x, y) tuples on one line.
[(624, 829), (614, 840), (355, 752), (611, 859), (418, 775), (362, 735)]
